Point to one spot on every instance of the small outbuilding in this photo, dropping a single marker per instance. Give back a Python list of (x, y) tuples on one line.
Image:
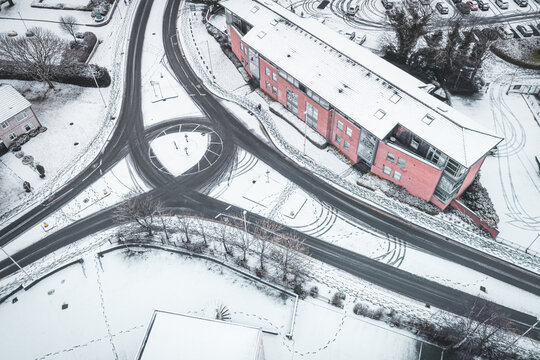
[(16, 116), (178, 336)]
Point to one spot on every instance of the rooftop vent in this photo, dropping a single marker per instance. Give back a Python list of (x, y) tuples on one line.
[(273, 22), (428, 119), (380, 114), (255, 9), (261, 34)]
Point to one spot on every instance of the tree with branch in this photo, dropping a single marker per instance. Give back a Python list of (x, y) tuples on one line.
[(409, 22), (185, 226), (266, 233), (142, 210), (69, 25), (36, 55), (289, 255)]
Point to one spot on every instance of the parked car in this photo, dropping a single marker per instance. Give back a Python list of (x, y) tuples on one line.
[(442, 8), (483, 5), (456, 1), (388, 4), (503, 4), (463, 8), (424, 2), (506, 32), (472, 5), (524, 30), (522, 3), (353, 9)]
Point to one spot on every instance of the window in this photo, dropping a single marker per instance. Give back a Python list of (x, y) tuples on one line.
[(395, 98), (414, 143), (312, 115), (12, 136), (4, 124), (338, 139), (267, 72), (401, 162), (380, 114), (386, 170), (346, 145), (390, 157), (242, 47), (397, 175), (274, 76), (21, 116), (268, 86), (349, 131), (339, 125), (454, 169), (28, 127), (254, 9), (436, 156), (274, 90)]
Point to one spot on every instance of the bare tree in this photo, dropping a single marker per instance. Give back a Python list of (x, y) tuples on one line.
[(243, 240), (223, 230), (289, 257), (409, 22), (142, 210), (69, 25), (185, 225), (266, 233), (202, 229), (36, 55)]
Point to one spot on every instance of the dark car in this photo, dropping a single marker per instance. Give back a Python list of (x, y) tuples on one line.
[(442, 8), (525, 31), (388, 4), (456, 1), (463, 8)]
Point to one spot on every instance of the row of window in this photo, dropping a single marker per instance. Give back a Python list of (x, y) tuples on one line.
[(388, 171), (271, 88), (346, 144), (243, 48), (26, 128), (348, 131), (400, 162), (19, 117), (268, 72)]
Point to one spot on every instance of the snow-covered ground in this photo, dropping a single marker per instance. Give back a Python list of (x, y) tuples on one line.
[(326, 163), (256, 187), (113, 187), (179, 151), (72, 114)]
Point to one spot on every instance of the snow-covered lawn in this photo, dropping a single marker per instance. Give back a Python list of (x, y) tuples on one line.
[(326, 164), (179, 151)]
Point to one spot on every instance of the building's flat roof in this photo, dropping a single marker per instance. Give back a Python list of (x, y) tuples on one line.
[(12, 102), (178, 336), (357, 82)]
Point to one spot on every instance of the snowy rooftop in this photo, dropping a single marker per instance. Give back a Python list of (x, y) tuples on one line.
[(12, 102), (177, 336), (351, 78)]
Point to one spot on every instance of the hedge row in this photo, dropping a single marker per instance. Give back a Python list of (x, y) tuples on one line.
[(73, 73), (81, 50), (500, 53)]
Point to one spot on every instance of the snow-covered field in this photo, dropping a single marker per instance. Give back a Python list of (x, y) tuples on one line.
[(179, 151)]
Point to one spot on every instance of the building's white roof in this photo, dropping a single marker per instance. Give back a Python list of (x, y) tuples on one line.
[(177, 336), (358, 82), (12, 102)]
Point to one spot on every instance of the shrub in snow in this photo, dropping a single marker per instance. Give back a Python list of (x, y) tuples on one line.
[(360, 309), (476, 198), (338, 298), (299, 290), (314, 292), (261, 273)]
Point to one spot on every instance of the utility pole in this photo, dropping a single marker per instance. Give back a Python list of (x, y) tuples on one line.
[(305, 131), (209, 58), (17, 264), (531, 243), (245, 226), (97, 85)]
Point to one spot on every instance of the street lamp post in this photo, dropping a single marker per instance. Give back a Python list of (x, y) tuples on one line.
[(305, 131), (97, 85), (527, 249), (17, 264), (245, 225)]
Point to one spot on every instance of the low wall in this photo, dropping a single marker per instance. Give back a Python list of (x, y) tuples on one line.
[(459, 206)]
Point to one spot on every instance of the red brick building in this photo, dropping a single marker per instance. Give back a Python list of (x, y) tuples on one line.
[(16, 115), (367, 108)]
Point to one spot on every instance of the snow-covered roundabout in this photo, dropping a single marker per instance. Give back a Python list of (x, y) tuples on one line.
[(185, 149)]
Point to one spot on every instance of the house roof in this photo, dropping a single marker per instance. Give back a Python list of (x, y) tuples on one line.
[(12, 102), (367, 89), (178, 336)]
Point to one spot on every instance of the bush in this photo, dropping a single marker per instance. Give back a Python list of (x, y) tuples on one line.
[(500, 53), (360, 309), (80, 51), (299, 290), (337, 299), (314, 292), (75, 74), (476, 198), (261, 273)]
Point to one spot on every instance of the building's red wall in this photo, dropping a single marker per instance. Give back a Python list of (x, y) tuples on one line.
[(419, 178), (353, 140), (470, 176), (236, 40), (324, 116)]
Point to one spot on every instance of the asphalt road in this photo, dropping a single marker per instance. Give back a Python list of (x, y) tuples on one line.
[(181, 194)]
